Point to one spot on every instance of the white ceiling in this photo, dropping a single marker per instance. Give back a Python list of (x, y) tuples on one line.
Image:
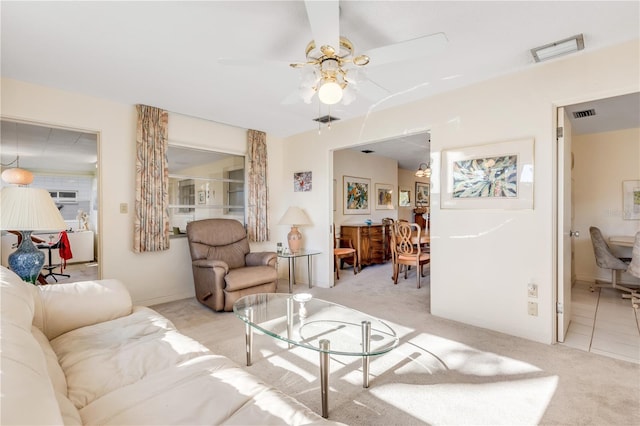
[(169, 54)]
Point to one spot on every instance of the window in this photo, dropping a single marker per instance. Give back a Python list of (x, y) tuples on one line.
[(204, 184)]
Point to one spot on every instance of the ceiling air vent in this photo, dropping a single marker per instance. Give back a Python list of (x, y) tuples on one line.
[(326, 119), (585, 113)]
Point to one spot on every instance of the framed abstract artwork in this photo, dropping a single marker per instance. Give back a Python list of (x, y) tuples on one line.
[(404, 198), (356, 195), (493, 176), (384, 196), (302, 182), (422, 194), (631, 199)]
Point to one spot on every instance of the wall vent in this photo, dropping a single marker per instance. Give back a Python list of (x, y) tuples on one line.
[(367, 151), (326, 119), (585, 113)]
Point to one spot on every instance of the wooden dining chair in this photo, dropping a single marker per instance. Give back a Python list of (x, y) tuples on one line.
[(343, 250), (405, 250)]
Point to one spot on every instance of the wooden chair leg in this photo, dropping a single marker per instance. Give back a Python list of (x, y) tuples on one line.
[(337, 265)]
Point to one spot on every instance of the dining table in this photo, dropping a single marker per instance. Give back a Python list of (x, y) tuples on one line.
[(622, 240)]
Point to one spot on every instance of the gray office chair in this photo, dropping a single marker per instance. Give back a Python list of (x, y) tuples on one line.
[(634, 269), (606, 259)]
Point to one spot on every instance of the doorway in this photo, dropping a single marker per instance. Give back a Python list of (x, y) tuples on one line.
[(63, 161), (605, 147), (385, 167)]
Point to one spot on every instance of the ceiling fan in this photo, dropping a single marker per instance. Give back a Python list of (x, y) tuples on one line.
[(332, 70)]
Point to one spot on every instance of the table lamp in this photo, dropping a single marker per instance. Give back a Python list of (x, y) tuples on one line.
[(295, 217), (26, 210)]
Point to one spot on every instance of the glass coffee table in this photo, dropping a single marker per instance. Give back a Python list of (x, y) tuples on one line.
[(325, 327)]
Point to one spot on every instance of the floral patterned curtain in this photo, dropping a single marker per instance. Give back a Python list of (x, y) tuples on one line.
[(151, 226), (257, 222)]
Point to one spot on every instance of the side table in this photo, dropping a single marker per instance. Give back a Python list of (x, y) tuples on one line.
[(292, 264)]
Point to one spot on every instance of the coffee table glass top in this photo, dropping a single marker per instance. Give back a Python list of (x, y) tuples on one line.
[(314, 320)]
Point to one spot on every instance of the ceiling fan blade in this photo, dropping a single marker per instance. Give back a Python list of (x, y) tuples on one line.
[(324, 18), (407, 50)]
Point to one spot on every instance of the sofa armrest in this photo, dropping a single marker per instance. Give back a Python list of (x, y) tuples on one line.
[(64, 307), (261, 258)]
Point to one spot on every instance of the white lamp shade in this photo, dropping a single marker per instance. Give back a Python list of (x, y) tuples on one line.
[(29, 209), (295, 216)]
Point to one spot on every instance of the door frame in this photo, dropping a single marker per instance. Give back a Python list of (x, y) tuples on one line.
[(556, 181)]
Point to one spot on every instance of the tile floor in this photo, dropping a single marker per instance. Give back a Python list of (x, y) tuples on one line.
[(604, 323)]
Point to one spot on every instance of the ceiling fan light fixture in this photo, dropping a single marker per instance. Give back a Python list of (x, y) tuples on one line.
[(330, 92)]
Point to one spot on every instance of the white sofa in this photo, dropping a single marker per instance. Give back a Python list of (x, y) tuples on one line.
[(80, 353)]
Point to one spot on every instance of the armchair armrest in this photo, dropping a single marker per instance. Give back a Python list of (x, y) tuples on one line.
[(64, 307), (261, 258), (211, 263)]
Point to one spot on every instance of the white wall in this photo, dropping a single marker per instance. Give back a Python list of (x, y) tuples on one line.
[(151, 277), (602, 161), (482, 260)]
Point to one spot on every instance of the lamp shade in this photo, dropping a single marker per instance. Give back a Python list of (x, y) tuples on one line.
[(29, 209), (295, 216)]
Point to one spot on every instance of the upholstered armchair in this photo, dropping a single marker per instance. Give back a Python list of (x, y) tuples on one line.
[(224, 269)]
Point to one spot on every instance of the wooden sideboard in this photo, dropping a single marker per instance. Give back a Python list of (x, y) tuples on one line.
[(372, 242)]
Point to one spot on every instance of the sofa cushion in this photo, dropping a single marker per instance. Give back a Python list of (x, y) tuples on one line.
[(208, 387), (103, 357), (237, 279), (73, 305)]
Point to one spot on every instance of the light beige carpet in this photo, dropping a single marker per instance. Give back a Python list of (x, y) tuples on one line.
[(442, 372)]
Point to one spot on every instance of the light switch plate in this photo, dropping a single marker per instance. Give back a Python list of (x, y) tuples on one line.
[(124, 208), (533, 309)]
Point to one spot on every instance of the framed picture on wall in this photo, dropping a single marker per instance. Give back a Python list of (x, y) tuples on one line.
[(384, 196), (493, 176), (631, 199), (302, 182), (422, 194), (404, 198), (356, 195)]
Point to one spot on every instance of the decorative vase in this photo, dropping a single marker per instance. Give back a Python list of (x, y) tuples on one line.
[(294, 238), (27, 260)]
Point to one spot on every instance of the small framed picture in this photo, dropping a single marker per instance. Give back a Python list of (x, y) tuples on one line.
[(404, 198), (302, 182), (384, 196), (631, 199), (202, 197), (422, 194)]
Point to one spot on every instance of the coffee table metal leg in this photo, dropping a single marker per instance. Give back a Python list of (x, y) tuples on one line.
[(366, 346), (309, 270), (324, 376), (290, 319), (248, 334)]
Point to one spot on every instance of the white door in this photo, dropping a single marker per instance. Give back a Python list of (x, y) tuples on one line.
[(565, 233)]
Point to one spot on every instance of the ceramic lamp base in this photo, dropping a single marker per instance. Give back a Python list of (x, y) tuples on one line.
[(294, 238), (27, 260)]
